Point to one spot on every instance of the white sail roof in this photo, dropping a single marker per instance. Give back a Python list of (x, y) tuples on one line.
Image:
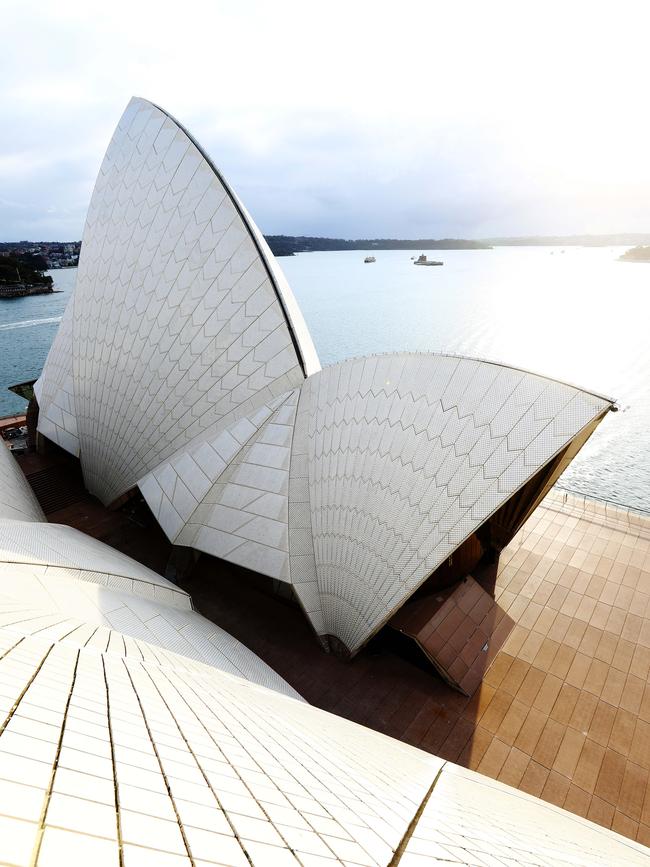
[(183, 366), (181, 322), (58, 581), (132, 731), (116, 752), (17, 501), (358, 485)]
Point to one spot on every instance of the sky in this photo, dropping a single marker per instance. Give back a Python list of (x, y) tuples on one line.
[(346, 119)]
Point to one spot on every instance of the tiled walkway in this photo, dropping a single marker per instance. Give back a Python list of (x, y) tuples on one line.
[(564, 711)]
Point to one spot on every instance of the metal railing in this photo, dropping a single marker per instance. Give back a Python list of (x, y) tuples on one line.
[(607, 509)]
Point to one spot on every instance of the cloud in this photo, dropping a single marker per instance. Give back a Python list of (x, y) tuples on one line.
[(350, 119)]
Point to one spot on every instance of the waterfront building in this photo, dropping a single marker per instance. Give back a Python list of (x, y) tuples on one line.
[(184, 368), (135, 731)]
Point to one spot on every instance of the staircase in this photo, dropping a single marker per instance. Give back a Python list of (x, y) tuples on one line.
[(58, 486)]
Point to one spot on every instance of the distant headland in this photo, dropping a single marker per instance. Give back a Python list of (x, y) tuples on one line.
[(22, 274), (65, 254), (621, 239), (636, 254), (287, 245)]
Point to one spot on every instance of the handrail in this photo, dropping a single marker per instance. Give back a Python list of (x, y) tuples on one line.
[(608, 508)]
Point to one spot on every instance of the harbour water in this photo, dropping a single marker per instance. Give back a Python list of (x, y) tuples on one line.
[(579, 315), (27, 328)]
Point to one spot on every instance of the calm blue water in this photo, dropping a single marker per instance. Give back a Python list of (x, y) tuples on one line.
[(27, 328), (580, 316)]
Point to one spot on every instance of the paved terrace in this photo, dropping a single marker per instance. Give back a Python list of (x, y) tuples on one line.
[(563, 712)]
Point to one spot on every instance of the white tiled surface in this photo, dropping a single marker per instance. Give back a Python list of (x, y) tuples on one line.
[(357, 486), (17, 501), (195, 763), (133, 733), (180, 367), (55, 390), (192, 494), (304, 574), (84, 607), (178, 325), (406, 455), (244, 516), (471, 819), (57, 545), (63, 584), (116, 755)]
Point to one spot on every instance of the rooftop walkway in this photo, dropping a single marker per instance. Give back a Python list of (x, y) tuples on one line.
[(562, 713)]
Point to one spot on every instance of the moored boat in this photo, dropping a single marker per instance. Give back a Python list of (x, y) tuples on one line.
[(422, 260)]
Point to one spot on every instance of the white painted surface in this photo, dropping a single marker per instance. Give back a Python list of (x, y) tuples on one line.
[(127, 735)]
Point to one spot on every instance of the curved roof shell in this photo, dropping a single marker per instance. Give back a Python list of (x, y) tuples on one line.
[(181, 322), (115, 752), (62, 583), (360, 484), (17, 500), (183, 366), (132, 731)]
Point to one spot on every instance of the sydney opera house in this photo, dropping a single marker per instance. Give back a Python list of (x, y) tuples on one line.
[(370, 497)]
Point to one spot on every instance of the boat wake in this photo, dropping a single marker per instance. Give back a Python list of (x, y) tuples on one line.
[(27, 323)]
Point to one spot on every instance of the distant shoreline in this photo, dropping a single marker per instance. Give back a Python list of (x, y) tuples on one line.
[(636, 254), (288, 245), (620, 239), (22, 290)]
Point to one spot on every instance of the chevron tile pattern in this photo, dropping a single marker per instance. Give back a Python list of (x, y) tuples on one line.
[(407, 455), (183, 366), (55, 391), (178, 326), (357, 486), (133, 732)]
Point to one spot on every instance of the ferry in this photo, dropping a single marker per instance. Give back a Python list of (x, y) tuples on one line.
[(422, 260)]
